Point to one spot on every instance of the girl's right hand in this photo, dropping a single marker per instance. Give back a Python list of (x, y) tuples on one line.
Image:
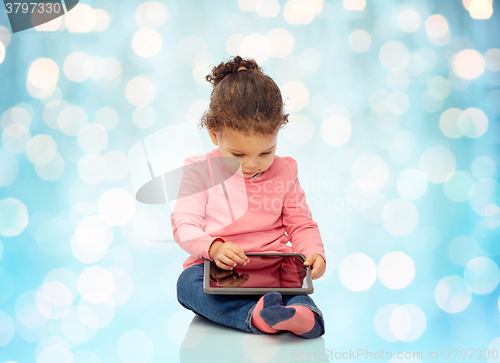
[(227, 254)]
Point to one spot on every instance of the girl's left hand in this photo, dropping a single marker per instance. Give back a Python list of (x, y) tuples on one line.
[(317, 263)]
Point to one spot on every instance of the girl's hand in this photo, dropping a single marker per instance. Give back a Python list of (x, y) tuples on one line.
[(227, 254), (317, 263)]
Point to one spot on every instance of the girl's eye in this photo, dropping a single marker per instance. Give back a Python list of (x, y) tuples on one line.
[(240, 155)]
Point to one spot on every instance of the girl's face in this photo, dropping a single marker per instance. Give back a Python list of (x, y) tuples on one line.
[(254, 152)]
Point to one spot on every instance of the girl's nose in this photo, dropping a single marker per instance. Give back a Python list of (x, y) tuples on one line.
[(251, 165)]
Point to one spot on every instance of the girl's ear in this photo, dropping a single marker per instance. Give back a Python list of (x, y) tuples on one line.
[(213, 136)]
